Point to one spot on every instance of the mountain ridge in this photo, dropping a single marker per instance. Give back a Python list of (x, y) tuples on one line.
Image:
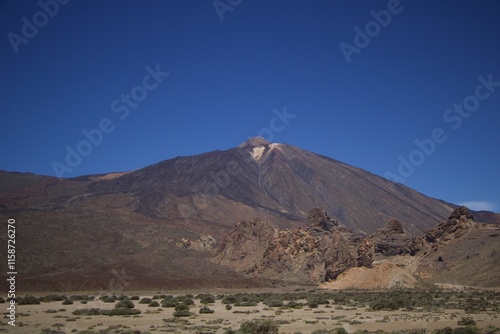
[(136, 220)]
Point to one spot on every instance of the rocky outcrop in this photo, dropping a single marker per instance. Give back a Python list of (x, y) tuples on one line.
[(318, 253), (206, 242), (388, 241), (459, 222), (461, 212), (245, 245), (325, 251), (318, 219), (366, 251)]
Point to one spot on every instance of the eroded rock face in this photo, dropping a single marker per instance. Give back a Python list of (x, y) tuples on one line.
[(459, 222), (388, 241), (323, 250), (318, 219), (461, 212), (366, 250), (206, 242), (316, 254), (245, 245), (394, 226)]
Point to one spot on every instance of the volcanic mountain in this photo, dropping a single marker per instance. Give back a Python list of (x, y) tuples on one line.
[(155, 226)]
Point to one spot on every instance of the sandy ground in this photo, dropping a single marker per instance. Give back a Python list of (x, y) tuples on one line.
[(34, 318)]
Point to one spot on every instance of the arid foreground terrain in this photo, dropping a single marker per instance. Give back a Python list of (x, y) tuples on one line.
[(433, 310)]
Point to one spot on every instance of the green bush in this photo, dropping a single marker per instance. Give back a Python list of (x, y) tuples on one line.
[(181, 307), (187, 301), (51, 331), (126, 303), (259, 327), (67, 302), (229, 300), (275, 303), (466, 322), (467, 330), (205, 309), (135, 298), (320, 300), (229, 307), (207, 299), (183, 313), (145, 301), (81, 297), (295, 305), (154, 303), (121, 311), (384, 305), (312, 304), (446, 330), (245, 304), (173, 302), (52, 298), (29, 300), (340, 330), (108, 299), (87, 311)]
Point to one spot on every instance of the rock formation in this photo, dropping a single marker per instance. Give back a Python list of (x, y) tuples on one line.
[(459, 222), (320, 252)]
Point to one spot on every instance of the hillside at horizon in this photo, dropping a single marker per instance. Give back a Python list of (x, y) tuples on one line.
[(159, 222)]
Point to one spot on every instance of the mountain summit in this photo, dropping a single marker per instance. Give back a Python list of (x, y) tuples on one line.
[(149, 222), (254, 142)]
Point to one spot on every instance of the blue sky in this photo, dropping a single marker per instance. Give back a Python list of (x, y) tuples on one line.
[(234, 65)]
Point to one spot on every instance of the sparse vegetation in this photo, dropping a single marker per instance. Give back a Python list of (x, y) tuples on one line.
[(125, 303), (52, 298), (318, 306), (259, 327), (121, 311), (28, 300), (207, 299), (205, 309), (274, 303), (170, 302), (87, 311), (468, 321), (154, 303), (145, 301), (108, 299), (182, 310)]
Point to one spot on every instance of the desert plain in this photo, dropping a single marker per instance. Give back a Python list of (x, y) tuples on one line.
[(299, 310)]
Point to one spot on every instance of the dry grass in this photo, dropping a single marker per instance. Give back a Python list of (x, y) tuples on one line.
[(353, 311)]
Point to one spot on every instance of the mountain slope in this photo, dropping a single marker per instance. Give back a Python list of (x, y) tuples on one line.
[(278, 180), (97, 225)]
